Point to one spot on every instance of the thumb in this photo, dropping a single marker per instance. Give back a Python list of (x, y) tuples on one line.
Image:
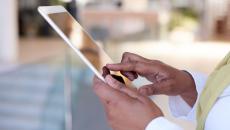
[(105, 92)]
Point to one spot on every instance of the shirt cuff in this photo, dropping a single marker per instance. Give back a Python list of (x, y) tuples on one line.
[(179, 108), (162, 123)]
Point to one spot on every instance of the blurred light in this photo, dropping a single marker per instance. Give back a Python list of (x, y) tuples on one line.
[(66, 0)]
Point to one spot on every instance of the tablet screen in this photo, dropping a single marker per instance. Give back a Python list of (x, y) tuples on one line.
[(81, 40)]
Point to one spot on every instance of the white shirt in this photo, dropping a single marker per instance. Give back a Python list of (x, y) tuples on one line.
[(217, 119)]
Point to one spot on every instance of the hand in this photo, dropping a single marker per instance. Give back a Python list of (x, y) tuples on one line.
[(165, 79), (125, 108)]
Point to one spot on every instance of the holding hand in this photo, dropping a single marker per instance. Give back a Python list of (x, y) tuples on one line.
[(165, 79), (125, 108)]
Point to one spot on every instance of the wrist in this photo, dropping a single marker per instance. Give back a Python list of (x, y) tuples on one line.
[(190, 93)]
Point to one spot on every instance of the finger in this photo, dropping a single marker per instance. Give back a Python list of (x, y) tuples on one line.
[(113, 82), (107, 93), (127, 57), (165, 87), (105, 71), (147, 90), (121, 87), (131, 57), (127, 67), (130, 75), (138, 67), (97, 83)]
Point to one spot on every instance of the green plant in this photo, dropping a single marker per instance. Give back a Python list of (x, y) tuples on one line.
[(183, 17)]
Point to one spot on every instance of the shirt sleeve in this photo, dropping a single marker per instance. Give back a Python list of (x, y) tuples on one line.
[(162, 123), (218, 117), (179, 108)]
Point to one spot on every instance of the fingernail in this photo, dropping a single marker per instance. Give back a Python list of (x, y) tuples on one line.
[(108, 79)]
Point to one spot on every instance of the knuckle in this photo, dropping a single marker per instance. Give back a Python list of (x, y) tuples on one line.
[(125, 54), (120, 86)]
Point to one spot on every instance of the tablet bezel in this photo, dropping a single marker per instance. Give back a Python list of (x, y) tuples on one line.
[(45, 11)]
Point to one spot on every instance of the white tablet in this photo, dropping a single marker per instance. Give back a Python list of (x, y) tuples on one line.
[(76, 37)]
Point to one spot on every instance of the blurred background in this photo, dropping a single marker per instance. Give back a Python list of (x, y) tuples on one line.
[(45, 86)]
